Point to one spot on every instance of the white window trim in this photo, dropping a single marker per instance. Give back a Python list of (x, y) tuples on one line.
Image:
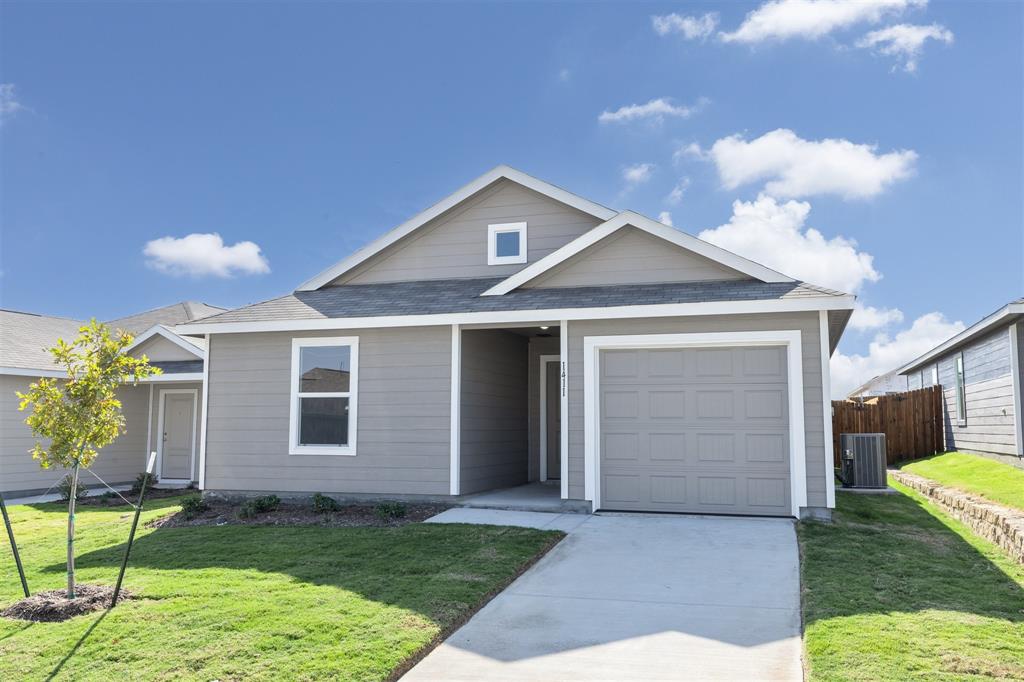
[(542, 426), (492, 243), (591, 378), (352, 394)]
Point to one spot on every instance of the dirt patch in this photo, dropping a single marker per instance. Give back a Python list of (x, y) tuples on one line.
[(220, 513), (111, 500), (54, 606)]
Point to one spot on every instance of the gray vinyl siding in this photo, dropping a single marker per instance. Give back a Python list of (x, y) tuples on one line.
[(155, 419), (454, 245), (806, 323), (119, 462), (633, 256), (988, 381), (914, 381), (404, 406), (158, 348), (538, 347), (493, 410)]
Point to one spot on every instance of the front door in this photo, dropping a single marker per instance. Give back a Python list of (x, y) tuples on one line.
[(178, 436), (553, 421)]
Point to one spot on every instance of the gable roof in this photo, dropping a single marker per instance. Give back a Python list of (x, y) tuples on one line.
[(1005, 315), (653, 227), (190, 345), (174, 314), (446, 204), (26, 337)]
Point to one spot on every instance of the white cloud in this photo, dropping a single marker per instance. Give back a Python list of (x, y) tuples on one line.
[(676, 195), (887, 353), (774, 234), (689, 151), (868, 317), (812, 19), (795, 167), (905, 41), (665, 217), (691, 28), (637, 174), (564, 75), (656, 110), (204, 254), (9, 104)]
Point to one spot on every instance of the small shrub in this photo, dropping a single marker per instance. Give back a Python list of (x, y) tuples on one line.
[(64, 488), (323, 504), (193, 505), (141, 479), (390, 510), (259, 505)]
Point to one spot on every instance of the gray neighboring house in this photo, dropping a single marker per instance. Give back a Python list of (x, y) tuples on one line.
[(166, 404), (980, 371), (516, 333)]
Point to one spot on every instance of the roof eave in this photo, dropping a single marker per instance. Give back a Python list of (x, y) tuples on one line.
[(1004, 315)]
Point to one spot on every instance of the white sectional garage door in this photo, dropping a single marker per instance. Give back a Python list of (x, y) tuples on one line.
[(700, 430)]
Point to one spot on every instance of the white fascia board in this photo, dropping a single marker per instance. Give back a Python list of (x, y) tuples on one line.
[(976, 329), (797, 304), (449, 202), (653, 227), (172, 378), (160, 330), (29, 372)]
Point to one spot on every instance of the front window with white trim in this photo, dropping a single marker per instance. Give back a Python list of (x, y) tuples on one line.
[(506, 244), (324, 390)]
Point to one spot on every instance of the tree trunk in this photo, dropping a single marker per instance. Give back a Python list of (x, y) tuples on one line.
[(71, 531)]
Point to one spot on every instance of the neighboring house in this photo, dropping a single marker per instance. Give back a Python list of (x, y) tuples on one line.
[(517, 332), (893, 382), (979, 370), (161, 413)]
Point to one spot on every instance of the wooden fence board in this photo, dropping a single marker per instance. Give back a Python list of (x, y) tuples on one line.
[(911, 422)]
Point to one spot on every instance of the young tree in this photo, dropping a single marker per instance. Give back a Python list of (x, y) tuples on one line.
[(81, 414)]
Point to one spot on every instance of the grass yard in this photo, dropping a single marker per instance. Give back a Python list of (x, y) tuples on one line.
[(996, 481), (250, 602), (896, 590)]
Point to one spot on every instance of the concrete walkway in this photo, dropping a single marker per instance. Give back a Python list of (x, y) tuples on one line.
[(636, 597)]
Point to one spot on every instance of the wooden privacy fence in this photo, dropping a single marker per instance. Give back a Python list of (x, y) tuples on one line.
[(912, 422)]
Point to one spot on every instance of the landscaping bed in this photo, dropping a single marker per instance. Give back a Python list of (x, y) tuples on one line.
[(253, 602), (894, 589), (222, 512)]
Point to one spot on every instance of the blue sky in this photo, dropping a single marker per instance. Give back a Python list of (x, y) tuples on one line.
[(311, 128)]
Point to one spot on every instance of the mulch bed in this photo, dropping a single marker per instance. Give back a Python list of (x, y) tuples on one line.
[(221, 513), (54, 606), (111, 500)]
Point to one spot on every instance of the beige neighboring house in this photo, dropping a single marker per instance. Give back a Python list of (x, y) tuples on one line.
[(161, 413), (883, 384), (516, 333)]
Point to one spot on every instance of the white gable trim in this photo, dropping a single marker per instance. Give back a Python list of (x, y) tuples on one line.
[(449, 202), (653, 227), (160, 330)]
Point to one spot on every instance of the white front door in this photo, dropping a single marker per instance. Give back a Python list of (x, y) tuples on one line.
[(177, 434)]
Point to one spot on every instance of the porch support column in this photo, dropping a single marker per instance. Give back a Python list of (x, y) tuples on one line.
[(563, 392), (455, 462)]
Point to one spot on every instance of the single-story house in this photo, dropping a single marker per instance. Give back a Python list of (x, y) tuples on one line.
[(161, 413), (883, 384), (515, 332), (980, 371)]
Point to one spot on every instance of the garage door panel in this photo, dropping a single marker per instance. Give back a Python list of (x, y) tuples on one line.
[(695, 430)]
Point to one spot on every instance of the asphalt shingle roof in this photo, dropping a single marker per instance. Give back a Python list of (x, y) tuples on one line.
[(25, 338), (443, 296), (171, 315)]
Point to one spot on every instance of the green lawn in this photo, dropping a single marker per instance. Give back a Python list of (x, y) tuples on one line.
[(896, 590), (996, 481), (250, 602)]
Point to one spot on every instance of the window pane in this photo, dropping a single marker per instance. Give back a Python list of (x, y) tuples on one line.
[(324, 369), (506, 244), (323, 421)]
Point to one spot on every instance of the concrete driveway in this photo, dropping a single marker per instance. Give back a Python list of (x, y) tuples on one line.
[(637, 597)]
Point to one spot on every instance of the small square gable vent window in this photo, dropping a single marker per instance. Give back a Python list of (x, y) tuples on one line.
[(506, 244)]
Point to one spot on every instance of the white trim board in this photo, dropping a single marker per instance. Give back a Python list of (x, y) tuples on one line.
[(160, 431), (1015, 369), (455, 417), (786, 305), (653, 227), (162, 331), (202, 425), (449, 202), (592, 345), (563, 351), (826, 407), (542, 430), (61, 374)]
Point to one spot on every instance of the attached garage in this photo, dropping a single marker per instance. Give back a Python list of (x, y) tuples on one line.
[(695, 423)]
